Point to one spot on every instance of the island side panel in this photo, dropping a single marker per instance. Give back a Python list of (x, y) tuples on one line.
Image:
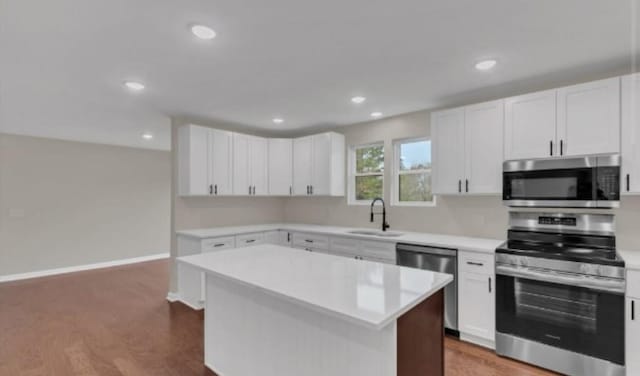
[(250, 332), (421, 338)]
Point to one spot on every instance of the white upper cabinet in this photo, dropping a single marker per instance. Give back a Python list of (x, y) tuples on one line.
[(302, 161), (249, 165), (447, 130), (220, 162), (319, 165), (328, 164), (630, 147), (280, 166), (589, 118), (204, 161), (530, 126), (483, 152), (467, 149)]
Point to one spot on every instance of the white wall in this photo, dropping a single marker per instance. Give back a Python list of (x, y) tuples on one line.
[(65, 203)]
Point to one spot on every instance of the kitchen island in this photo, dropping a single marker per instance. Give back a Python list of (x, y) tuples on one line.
[(273, 310)]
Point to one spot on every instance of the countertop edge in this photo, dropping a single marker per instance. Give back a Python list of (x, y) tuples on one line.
[(328, 230), (339, 315)]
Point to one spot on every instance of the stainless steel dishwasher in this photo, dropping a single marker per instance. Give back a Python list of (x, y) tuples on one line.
[(443, 260)]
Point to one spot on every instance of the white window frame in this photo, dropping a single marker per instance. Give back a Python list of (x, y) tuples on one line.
[(352, 173), (396, 172)]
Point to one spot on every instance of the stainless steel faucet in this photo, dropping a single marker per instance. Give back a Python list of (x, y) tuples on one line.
[(385, 225)]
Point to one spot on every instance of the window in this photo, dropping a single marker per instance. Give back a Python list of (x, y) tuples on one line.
[(367, 173), (412, 177)]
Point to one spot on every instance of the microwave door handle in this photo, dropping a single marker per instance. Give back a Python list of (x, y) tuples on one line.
[(592, 283)]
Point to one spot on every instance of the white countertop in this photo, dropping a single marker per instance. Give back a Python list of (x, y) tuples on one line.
[(363, 292), (631, 259), (438, 240)]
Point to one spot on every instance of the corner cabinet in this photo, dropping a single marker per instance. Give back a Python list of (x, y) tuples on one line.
[(630, 147), (204, 161), (468, 149), (280, 166), (214, 162), (319, 165)]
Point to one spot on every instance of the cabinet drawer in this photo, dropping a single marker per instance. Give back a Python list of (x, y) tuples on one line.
[(345, 246), (633, 284), (378, 250), (249, 239), (218, 244), (481, 263), (311, 241), (311, 249)]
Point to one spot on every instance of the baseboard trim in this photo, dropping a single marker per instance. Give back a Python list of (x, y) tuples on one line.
[(173, 297), (478, 340), (79, 268)]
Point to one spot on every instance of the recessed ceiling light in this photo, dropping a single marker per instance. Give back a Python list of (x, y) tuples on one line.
[(203, 32), (278, 120), (147, 136), (485, 64), (358, 99), (376, 114), (134, 85)]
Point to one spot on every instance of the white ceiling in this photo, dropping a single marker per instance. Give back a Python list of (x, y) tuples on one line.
[(62, 62)]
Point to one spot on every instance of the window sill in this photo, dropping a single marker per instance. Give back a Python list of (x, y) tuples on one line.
[(359, 203), (416, 204)]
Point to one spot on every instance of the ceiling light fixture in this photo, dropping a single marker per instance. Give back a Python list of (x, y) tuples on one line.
[(376, 114), (134, 85), (147, 136), (203, 32), (486, 64), (358, 99), (278, 120)]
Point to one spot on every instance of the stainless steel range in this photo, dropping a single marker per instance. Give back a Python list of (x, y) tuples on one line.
[(560, 294)]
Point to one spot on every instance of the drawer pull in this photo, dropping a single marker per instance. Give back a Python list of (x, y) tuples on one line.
[(308, 249), (475, 263), (308, 240), (250, 241), (219, 245)]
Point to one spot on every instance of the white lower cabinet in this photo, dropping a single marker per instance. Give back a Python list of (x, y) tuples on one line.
[(476, 298), (632, 322), (246, 240)]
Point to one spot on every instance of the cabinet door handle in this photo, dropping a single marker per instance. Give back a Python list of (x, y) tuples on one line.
[(633, 310), (210, 189), (459, 186), (254, 190), (215, 189), (288, 237), (312, 189), (466, 185), (218, 245), (628, 182), (489, 284), (307, 189), (308, 249), (290, 190), (561, 147), (249, 189), (551, 148), (475, 263)]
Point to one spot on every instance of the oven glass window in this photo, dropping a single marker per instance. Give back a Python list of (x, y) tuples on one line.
[(561, 187), (573, 318)]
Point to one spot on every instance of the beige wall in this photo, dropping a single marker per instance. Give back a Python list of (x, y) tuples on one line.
[(65, 203)]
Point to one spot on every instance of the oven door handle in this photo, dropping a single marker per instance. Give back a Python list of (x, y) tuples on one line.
[(593, 283)]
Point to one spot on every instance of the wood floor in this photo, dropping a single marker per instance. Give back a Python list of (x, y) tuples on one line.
[(117, 322)]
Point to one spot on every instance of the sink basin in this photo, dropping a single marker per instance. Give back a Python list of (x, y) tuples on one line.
[(390, 234)]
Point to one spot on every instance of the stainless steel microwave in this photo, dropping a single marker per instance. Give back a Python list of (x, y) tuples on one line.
[(576, 182)]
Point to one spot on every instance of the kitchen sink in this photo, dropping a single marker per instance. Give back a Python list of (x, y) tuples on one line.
[(389, 234)]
